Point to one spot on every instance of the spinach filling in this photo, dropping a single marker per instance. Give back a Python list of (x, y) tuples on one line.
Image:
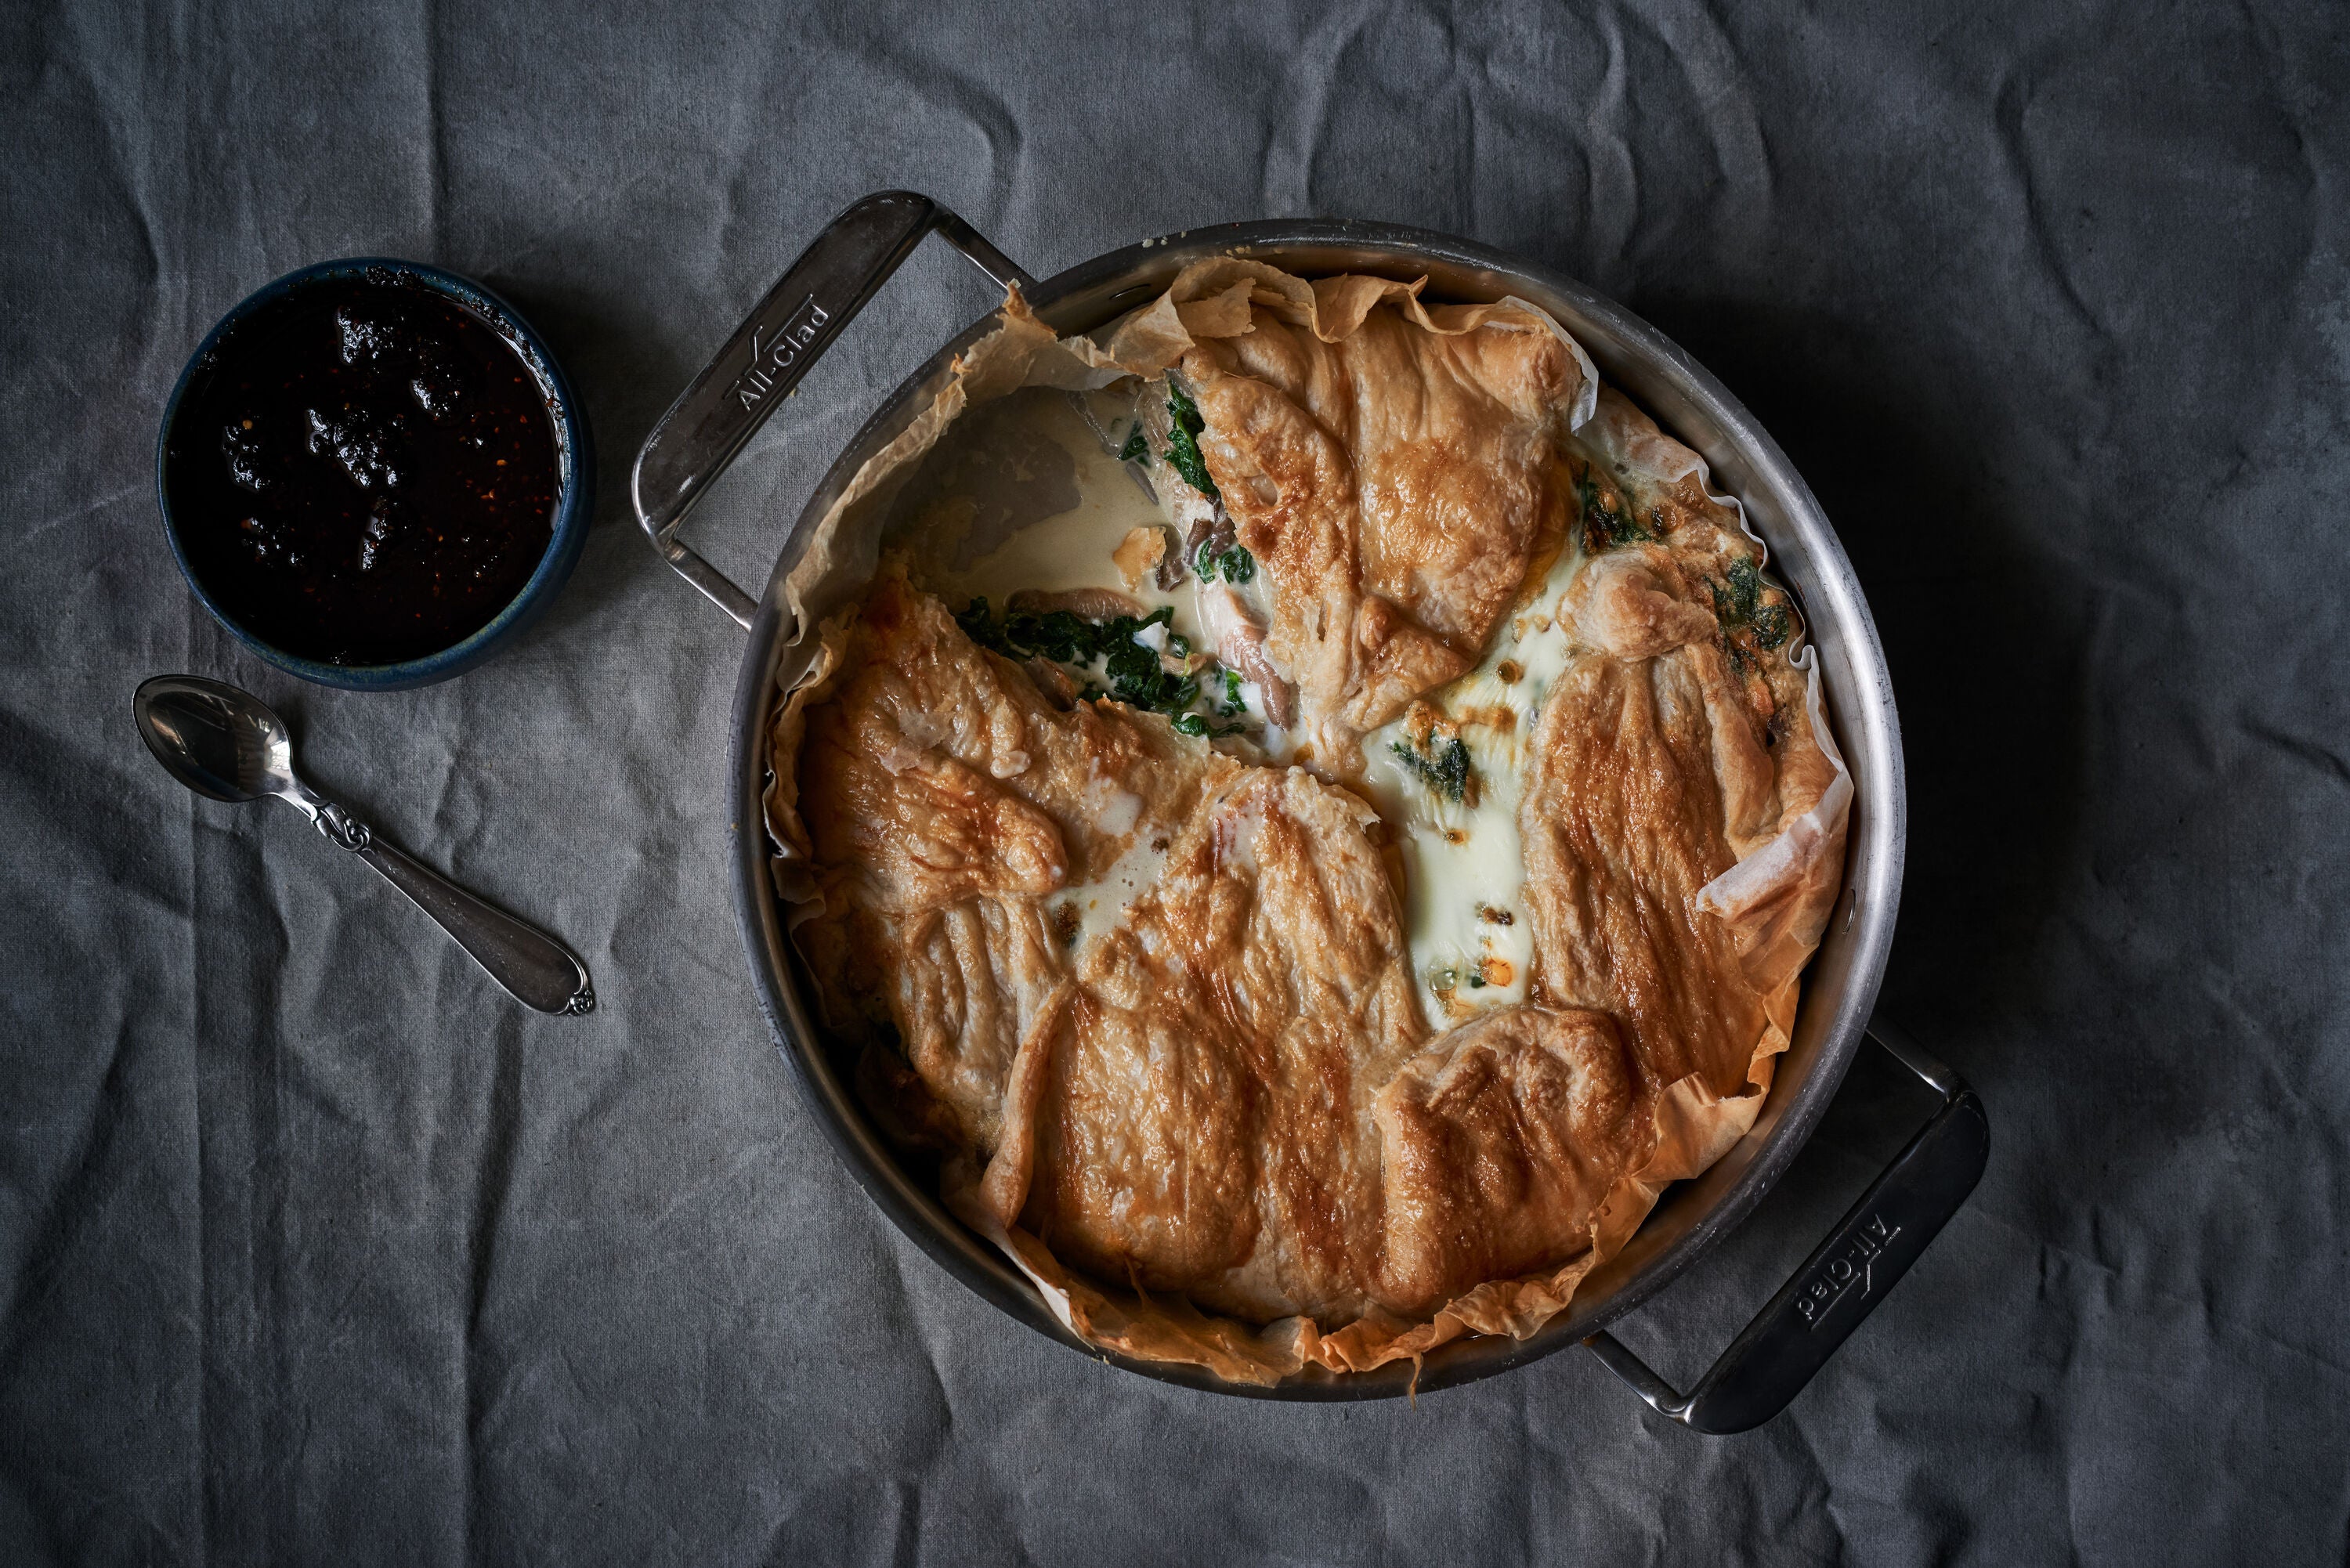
[(1183, 442), (1136, 675), (1607, 517), (1739, 606), (1194, 724), (1236, 563), (1452, 977), (1134, 671), (1443, 766)]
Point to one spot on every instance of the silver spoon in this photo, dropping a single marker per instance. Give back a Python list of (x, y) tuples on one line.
[(226, 744)]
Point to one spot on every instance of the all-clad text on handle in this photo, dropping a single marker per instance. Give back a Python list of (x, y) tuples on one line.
[(1849, 1275), (1846, 1276), (778, 343)]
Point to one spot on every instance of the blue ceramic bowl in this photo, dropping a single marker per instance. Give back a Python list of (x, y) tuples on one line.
[(575, 505)]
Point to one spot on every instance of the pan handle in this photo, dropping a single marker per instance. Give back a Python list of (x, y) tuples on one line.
[(1842, 1281), (775, 346)]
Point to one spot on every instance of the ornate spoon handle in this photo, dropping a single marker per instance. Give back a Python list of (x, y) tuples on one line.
[(538, 969)]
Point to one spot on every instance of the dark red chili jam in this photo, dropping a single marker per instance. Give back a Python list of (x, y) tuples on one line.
[(363, 472)]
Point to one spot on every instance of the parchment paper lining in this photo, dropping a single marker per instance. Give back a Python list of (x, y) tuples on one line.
[(1694, 1126)]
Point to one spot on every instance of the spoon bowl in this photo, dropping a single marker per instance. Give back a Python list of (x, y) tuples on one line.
[(221, 741)]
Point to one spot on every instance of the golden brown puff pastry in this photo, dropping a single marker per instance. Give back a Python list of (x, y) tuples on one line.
[(1497, 1145), (1691, 591), (1206, 1126), (1395, 469), (940, 797), (1623, 825), (1218, 1126), (1394, 485), (1218, 1079)]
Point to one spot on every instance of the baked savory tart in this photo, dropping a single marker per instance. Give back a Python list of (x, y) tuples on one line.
[(1314, 818)]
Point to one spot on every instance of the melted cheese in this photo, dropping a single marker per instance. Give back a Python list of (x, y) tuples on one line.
[(1464, 868)]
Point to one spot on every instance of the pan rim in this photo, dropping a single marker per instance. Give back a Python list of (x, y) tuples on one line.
[(1863, 716)]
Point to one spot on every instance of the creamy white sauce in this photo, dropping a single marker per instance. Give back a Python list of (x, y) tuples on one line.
[(1118, 813), (1464, 868), (1099, 903), (1071, 548)]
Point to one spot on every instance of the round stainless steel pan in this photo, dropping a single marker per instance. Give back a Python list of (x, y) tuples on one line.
[(1833, 1292)]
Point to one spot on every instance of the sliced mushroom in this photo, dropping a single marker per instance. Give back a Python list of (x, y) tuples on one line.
[(1172, 570), (1090, 604), (1195, 517), (1239, 642), (1212, 528)]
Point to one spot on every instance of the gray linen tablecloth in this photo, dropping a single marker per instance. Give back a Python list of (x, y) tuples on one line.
[(316, 1249)]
